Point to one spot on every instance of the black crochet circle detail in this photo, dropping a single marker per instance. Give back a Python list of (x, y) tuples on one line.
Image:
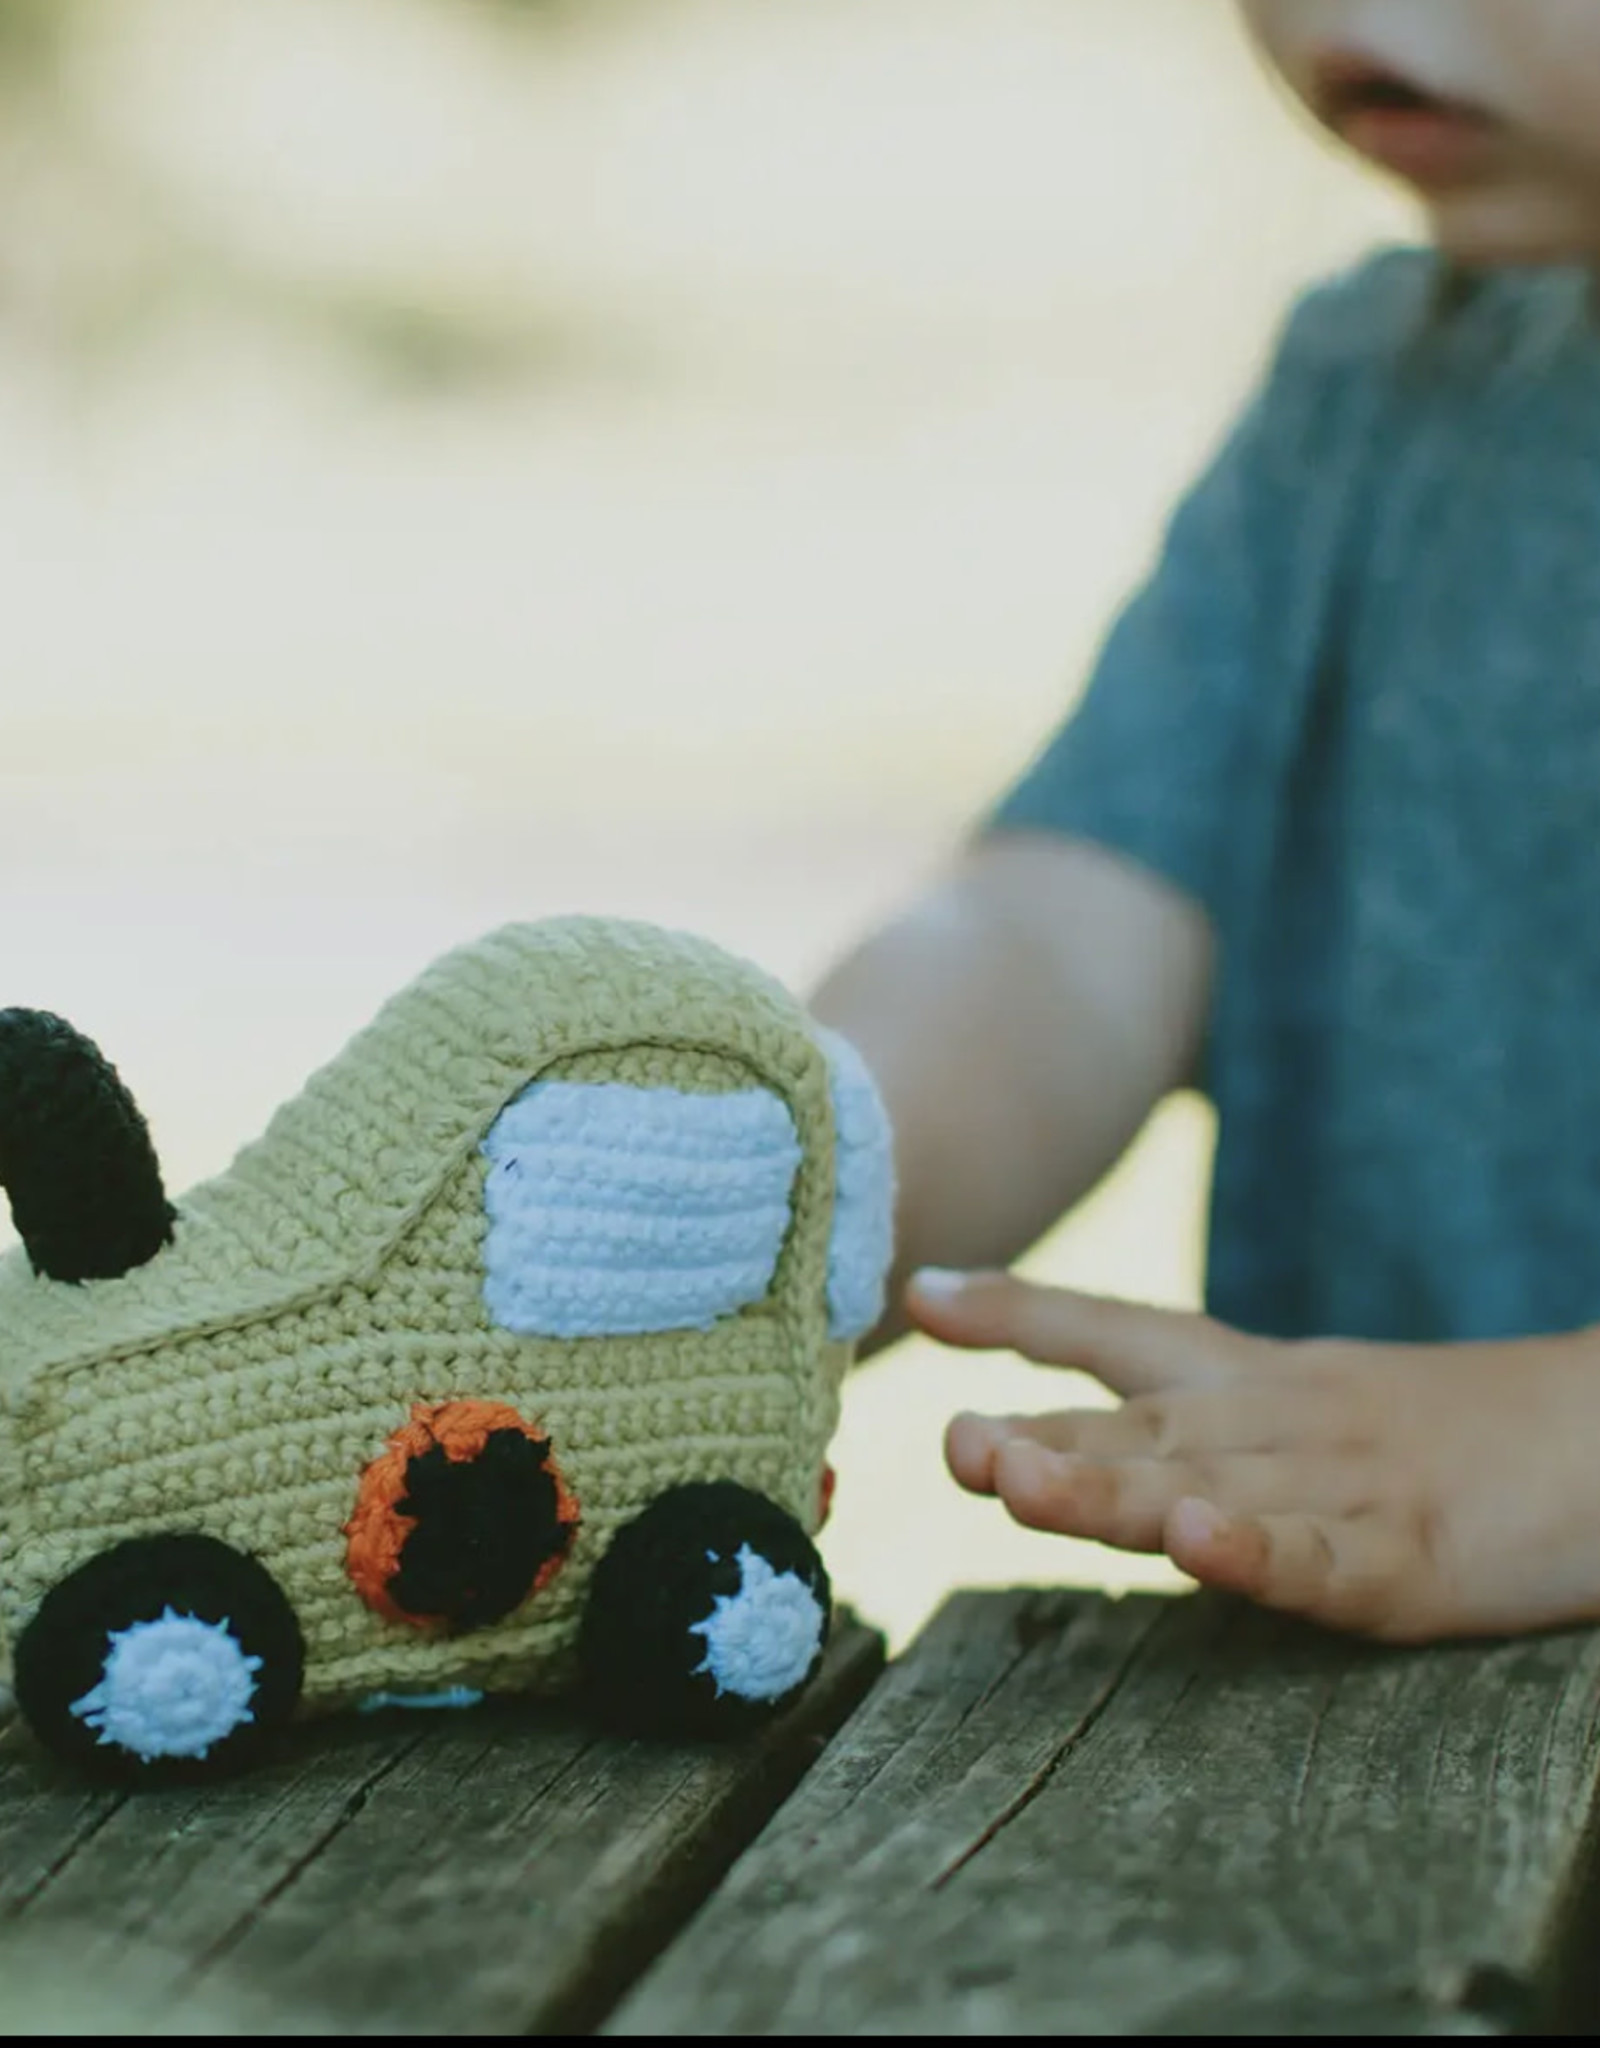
[(661, 1576), (61, 1654), (75, 1154), (485, 1529)]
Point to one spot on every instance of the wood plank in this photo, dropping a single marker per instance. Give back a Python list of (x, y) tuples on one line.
[(1059, 1813), (502, 1870)]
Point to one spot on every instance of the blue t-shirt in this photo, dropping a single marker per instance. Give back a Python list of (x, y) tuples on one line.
[(1355, 712)]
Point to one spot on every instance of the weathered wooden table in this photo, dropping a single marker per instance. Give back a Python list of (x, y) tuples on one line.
[(1055, 1814)]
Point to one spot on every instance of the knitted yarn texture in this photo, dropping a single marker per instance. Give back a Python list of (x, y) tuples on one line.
[(589, 1212)]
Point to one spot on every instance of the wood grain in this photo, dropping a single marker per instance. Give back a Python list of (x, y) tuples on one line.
[(1061, 1813), (502, 1870)]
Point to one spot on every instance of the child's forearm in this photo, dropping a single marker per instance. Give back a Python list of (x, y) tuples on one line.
[(1022, 1018)]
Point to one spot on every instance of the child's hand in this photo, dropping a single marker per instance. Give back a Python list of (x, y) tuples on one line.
[(1404, 1491)]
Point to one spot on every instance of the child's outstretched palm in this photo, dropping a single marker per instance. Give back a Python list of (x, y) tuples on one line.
[(1406, 1492)]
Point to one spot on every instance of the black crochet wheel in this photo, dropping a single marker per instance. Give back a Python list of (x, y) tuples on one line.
[(706, 1617), (164, 1657)]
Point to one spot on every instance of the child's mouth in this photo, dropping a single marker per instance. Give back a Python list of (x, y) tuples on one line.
[(1423, 136)]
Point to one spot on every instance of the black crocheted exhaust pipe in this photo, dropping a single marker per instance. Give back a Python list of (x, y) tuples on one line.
[(75, 1154)]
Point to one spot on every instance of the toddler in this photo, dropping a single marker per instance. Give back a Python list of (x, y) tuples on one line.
[(1323, 838)]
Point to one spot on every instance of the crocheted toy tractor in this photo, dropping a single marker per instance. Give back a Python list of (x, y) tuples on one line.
[(505, 1361)]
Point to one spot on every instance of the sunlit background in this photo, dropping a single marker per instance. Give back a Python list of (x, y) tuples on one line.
[(463, 460)]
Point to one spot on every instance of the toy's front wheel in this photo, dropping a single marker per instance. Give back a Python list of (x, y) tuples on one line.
[(706, 1616), (174, 1654)]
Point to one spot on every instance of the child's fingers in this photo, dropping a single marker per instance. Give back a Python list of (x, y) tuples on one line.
[(970, 1444), (1132, 1349), (1065, 1497), (1128, 1502), (1257, 1413), (1343, 1570), (972, 1441)]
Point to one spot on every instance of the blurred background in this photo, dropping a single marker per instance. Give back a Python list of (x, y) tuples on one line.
[(471, 459)]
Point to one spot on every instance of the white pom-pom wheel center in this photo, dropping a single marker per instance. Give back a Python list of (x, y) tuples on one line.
[(762, 1640), (171, 1687)]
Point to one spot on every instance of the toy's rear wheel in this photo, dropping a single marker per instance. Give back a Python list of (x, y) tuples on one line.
[(166, 1655), (706, 1616)]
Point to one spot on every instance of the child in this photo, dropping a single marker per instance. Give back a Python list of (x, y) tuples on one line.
[(1324, 838)]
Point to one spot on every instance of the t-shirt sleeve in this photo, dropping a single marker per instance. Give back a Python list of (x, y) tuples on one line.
[(1184, 715)]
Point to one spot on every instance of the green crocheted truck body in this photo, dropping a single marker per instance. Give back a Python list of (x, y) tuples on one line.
[(331, 1285)]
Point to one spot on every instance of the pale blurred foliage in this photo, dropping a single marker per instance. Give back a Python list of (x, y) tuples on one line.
[(672, 457)]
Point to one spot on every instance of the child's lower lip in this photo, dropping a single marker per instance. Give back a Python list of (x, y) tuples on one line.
[(1431, 146)]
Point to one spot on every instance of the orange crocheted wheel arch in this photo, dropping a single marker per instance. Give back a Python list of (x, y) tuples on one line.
[(377, 1531)]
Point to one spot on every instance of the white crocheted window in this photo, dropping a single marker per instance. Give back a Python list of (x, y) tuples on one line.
[(862, 1242), (615, 1210)]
